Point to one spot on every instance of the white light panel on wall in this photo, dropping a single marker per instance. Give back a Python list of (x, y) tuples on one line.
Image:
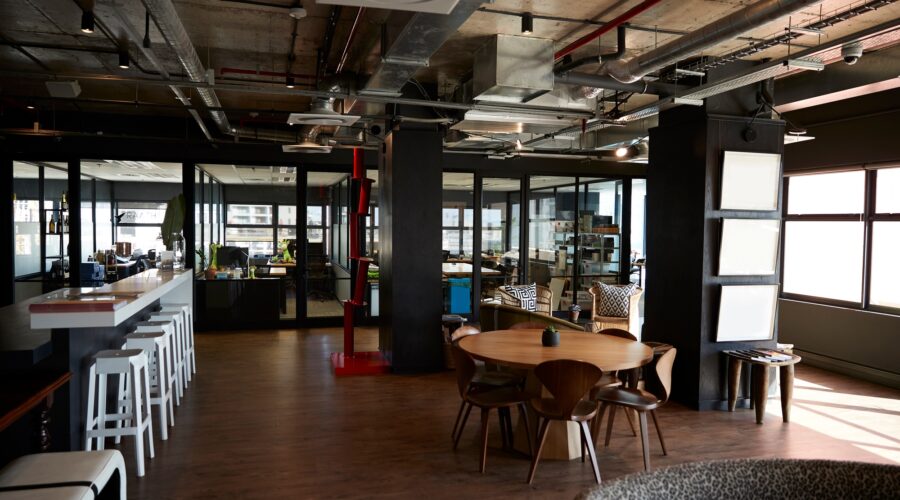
[(747, 312), (749, 247), (750, 181)]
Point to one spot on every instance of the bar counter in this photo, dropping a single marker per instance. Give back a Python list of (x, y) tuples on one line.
[(79, 323)]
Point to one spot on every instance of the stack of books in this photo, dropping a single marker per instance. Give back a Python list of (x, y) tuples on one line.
[(761, 355)]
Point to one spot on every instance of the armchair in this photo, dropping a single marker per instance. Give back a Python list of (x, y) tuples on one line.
[(544, 298), (630, 323)]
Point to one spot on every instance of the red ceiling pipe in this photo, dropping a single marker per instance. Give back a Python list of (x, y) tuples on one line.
[(581, 42), (240, 71)]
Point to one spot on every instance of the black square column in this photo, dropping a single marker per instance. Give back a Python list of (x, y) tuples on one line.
[(410, 248)]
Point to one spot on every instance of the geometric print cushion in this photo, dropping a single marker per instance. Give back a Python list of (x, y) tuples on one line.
[(527, 295), (614, 300)]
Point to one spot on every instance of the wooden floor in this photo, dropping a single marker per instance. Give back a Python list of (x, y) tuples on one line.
[(265, 418)]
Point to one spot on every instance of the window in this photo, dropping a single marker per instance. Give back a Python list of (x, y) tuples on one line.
[(255, 215), (257, 241), (140, 222), (834, 223)]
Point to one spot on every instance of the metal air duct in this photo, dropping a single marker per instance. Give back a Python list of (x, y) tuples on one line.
[(422, 36), (722, 30), (166, 18)]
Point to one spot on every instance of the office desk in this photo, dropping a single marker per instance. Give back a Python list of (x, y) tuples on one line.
[(456, 270), (238, 303)]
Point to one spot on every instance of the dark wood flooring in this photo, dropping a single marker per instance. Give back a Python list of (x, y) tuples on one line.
[(265, 418)]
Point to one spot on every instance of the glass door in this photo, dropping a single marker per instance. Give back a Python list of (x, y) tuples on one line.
[(500, 231)]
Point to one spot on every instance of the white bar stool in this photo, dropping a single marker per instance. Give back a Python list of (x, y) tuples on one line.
[(188, 314), (156, 346), (180, 340), (175, 349), (88, 474), (132, 362)]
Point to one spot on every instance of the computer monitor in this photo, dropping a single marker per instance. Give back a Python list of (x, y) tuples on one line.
[(231, 257)]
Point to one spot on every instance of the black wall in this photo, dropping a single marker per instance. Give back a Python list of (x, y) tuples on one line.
[(683, 228)]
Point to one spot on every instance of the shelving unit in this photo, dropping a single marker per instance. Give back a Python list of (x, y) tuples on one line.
[(60, 253), (597, 256)]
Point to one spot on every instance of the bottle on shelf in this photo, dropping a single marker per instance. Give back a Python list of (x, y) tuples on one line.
[(64, 203), (51, 229), (66, 225)]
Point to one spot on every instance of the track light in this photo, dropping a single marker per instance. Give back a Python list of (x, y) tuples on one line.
[(527, 22), (289, 82), (87, 21), (519, 145), (29, 106), (147, 30), (124, 62), (621, 152)]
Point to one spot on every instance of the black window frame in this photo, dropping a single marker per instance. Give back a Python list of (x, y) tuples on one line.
[(868, 217)]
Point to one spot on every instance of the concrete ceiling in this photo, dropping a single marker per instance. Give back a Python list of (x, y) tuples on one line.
[(43, 36)]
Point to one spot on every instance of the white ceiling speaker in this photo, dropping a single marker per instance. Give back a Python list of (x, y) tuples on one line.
[(305, 147), (429, 6), (297, 12), (322, 114)]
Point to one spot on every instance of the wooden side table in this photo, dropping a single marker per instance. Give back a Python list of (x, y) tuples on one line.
[(759, 385)]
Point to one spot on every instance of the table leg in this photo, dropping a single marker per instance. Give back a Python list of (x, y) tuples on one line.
[(787, 391), (760, 375), (734, 381)]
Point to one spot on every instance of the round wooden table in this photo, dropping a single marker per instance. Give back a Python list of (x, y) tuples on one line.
[(523, 349)]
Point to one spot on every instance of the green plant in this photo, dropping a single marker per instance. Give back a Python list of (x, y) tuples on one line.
[(173, 221), (550, 329), (213, 250), (200, 253)]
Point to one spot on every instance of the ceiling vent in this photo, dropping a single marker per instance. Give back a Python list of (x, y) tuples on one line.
[(513, 69), (429, 6), (305, 147), (321, 114), (66, 90)]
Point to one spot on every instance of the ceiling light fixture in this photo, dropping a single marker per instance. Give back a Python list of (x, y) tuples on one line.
[(527, 23), (297, 12), (124, 61), (519, 145), (289, 82), (87, 21), (147, 30), (621, 152), (29, 106)]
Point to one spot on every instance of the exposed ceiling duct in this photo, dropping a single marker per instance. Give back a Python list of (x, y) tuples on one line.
[(724, 29), (321, 112), (166, 18), (609, 83), (422, 36)]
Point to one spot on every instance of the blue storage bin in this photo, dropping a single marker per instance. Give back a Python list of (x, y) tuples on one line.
[(460, 295)]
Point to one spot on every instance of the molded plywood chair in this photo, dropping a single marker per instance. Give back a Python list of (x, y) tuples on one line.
[(568, 382), (611, 379), (501, 399), (641, 401), (631, 323)]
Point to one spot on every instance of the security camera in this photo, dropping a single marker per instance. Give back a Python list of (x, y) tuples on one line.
[(851, 52)]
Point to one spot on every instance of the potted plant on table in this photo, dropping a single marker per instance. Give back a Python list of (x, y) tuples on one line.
[(550, 337), (213, 267)]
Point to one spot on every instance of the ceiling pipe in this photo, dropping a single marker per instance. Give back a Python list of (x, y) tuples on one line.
[(581, 42), (256, 72), (724, 29), (346, 52), (609, 83), (169, 24)]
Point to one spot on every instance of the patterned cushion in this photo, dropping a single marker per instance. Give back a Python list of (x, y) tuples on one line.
[(527, 295), (614, 300)]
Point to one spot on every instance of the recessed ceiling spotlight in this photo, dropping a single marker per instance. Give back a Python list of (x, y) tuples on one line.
[(621, 152), (29, 106), (297, 12), (87, 21), (527, 22)]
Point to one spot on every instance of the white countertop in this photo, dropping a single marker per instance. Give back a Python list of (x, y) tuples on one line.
[(133, 294)]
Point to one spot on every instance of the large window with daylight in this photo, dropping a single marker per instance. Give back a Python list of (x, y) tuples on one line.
[(841, 238), (140, 223)]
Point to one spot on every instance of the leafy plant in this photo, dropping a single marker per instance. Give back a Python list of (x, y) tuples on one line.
[(173, 221), (200, 253), (550, 329)]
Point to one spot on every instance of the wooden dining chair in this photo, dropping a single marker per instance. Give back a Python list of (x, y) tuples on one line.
[(484, 377), (501, 399), (615, 378), (641, 401), (568, 382)]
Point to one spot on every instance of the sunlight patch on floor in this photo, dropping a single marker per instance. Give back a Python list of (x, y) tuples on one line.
[(866, 422)]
